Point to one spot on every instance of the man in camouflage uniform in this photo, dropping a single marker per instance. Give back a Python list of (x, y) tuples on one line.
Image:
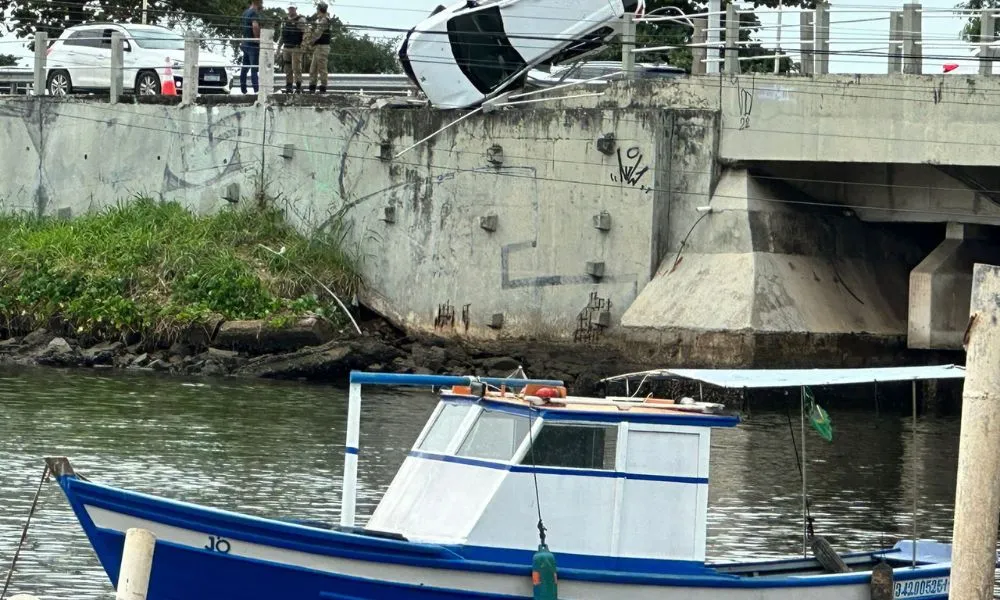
[(293, 33), (319, 39)]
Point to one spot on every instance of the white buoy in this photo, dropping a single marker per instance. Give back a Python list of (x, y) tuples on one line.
[(977, 497), (137, 564)]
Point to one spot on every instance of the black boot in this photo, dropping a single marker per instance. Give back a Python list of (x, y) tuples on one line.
[(312, 88), (288, 87), (298, 88), (322, 89)]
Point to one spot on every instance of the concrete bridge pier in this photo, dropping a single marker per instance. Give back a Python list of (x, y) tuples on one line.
[(941, 287)]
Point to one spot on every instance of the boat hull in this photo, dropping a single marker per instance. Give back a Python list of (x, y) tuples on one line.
[(207, 554)]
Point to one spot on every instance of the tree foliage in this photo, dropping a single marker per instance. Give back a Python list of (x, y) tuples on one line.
[(973, 26), (8, 60), (349, 52), (679, 33)]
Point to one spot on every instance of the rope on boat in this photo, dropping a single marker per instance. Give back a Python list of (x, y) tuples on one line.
[(24, 532), (798, 464), (534, 475)]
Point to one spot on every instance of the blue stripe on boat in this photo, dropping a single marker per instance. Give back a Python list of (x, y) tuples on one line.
[(350, 450), (475, 462)]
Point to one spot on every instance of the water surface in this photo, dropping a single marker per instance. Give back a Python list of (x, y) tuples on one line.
[(275, 449)]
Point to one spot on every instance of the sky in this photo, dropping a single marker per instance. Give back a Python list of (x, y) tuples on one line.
[(849, 31)]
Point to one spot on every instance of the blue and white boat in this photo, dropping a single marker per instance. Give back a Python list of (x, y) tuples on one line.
[(622, 483)]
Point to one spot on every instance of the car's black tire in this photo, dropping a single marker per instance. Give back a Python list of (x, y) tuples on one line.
[(59, 83), (147, 83)]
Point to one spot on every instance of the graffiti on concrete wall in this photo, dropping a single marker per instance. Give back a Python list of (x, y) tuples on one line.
[(196, 168), (632, 168)]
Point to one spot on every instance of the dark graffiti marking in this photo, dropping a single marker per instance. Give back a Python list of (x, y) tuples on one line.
[(631, 169), (745, 98), (589, 324)]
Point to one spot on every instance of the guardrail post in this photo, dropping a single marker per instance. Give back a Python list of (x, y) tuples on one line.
[(895, 42), (266, 66), (628, 45), (190, 92), (41, 47), (714, 31), (987, 34), (821, 65), (806, 29), (699, 52), (913, 59), (117, 66), (732, 37)]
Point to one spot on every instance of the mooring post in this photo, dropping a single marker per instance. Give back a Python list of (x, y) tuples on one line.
[(117, 66), (732, 40), (190, 92), (41, 46), (266, 66), (977, 496), (350, 488), (137, 564)]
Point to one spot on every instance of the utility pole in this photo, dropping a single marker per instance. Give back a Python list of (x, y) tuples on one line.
[(145, 12), (777, 53)]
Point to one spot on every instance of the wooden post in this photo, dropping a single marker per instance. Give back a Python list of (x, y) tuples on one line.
[(41, 47), (117, 66), (137, 564), (699, 52), (977, 496)]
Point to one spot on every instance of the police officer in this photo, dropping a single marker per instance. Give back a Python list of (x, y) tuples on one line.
[(293, 33), (319, 40)]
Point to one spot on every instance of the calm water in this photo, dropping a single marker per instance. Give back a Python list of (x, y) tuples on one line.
[(275, 450)]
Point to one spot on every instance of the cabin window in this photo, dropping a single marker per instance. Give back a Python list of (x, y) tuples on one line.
[(495, 436), (445, 425), (575, 446)]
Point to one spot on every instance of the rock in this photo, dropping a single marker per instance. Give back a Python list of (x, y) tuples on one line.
[(331, 362), (423, 371), (9, 344), (102, 354), (180, 349), (38, 338), (432, 358), (141, 361), (159, 365), (504, 364), (58, 353), (258, 337)]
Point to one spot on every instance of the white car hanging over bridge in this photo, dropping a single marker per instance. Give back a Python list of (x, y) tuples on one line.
[(467, 53)]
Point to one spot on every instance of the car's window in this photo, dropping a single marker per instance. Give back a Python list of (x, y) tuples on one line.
[(482, 49), (90, 38), (155, 39), (106, 38)]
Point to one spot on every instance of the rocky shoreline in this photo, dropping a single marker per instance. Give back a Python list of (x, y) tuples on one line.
[(320, 356)]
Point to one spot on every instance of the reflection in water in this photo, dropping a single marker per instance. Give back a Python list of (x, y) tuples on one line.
[(276, 450)]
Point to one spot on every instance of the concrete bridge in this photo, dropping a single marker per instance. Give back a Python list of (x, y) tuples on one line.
[(718, 219)]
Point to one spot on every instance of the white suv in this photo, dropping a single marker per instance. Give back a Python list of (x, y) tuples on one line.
[(80, 60)]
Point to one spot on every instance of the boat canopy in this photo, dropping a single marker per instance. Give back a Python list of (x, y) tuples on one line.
[(784, 378)]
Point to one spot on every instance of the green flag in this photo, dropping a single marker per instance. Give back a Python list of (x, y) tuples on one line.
[(818, 417)]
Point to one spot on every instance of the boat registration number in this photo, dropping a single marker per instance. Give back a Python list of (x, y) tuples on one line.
[(919, 588)]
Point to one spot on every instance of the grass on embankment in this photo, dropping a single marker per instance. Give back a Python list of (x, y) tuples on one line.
[(154, 268)]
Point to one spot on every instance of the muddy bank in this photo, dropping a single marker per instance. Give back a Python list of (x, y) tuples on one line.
[(311, 351)]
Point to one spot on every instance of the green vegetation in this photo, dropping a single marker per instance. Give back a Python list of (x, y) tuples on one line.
[(154, 268), (8, 60)]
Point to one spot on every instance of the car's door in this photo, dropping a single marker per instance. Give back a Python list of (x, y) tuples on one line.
[(101, 72), (74, 55)]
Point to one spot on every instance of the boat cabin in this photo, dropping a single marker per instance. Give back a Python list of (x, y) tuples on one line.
[(615, 478)]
